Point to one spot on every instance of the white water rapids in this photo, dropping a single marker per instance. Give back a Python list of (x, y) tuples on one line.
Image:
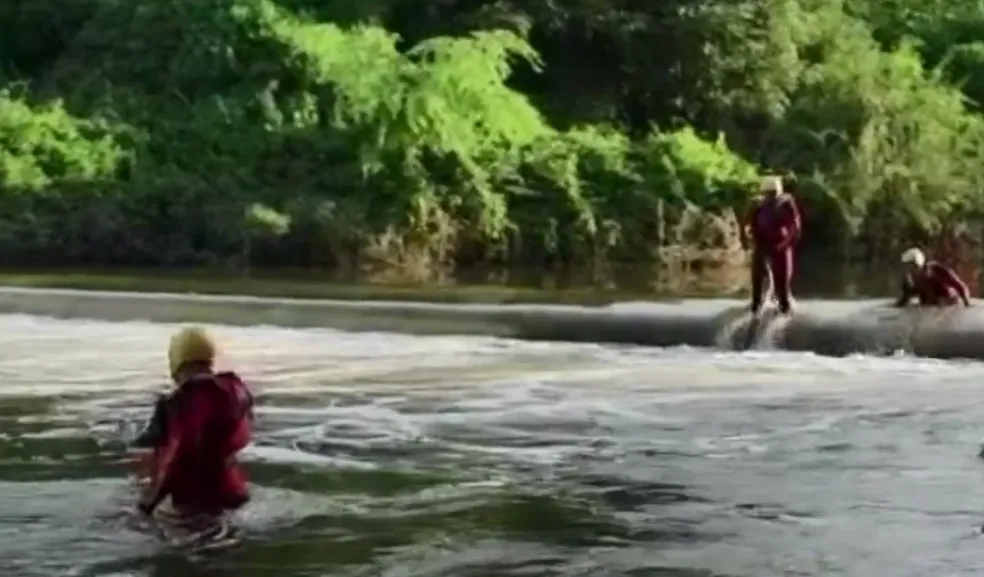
[(400, 456)]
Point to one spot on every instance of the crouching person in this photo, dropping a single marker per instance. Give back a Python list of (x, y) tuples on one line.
[(930, 282)]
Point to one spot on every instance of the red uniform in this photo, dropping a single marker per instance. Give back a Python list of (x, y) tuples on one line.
[(934, 285), (209, 420), (776, 227)]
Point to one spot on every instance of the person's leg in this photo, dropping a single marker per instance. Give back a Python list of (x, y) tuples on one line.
[(760, 272), (782, 276)]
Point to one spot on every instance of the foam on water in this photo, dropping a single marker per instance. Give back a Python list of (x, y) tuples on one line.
[(435, 456)]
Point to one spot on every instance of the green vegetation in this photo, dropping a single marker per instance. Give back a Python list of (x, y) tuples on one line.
[(411, 138)]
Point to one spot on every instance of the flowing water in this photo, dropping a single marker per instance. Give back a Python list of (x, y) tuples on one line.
[(396, 456)]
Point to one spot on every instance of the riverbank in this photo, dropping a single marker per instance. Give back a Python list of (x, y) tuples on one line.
[(438, 157), (292, 285)]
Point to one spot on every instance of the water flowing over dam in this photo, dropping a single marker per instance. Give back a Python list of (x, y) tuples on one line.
[(381, 454), (836, 328)]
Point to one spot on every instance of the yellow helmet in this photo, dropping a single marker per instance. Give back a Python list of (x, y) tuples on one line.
[(190, 345)]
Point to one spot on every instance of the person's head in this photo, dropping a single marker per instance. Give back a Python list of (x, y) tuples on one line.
[(913, 260), (771, 187), (191, 352)]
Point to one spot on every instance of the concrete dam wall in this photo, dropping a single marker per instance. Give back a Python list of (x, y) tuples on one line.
[(824, 327)]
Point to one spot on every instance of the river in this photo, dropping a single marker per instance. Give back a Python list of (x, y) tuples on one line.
[(395, 456)]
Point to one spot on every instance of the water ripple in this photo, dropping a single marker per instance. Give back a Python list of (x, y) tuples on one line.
[(391, 455)]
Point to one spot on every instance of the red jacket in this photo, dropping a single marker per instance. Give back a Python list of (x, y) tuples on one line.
[(936, 285), (775, 225), (209, 422)]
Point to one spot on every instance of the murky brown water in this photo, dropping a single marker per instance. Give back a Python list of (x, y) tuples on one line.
[(396, 456)]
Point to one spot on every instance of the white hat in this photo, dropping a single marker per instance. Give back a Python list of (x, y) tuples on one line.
[(772, 184), (914, 256)]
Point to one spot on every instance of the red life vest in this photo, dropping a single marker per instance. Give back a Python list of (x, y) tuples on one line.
[(775, 222), (211, 416), (934, 286)]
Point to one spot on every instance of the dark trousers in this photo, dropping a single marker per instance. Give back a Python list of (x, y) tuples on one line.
[(777, 263)]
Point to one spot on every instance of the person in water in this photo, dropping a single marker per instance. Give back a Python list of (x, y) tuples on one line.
[(775, 226), (933, 283), (196, 432)]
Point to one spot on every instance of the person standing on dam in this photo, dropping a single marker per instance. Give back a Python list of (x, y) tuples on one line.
[(196, 432), (775, 226), (933, 283)]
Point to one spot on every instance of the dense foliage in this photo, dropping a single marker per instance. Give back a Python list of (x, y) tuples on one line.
[(425, 135)]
